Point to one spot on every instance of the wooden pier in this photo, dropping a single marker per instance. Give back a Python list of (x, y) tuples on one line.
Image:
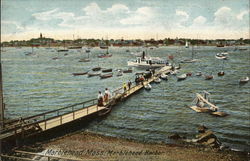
[(28, 126)]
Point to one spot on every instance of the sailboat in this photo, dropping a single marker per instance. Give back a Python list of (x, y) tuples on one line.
[(63, 50), (106, 55), (30, 53), (85, 59), (186, 45), (192, 60), (203, 104)]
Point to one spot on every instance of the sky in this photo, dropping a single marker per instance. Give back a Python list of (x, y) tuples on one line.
[(130, 19)]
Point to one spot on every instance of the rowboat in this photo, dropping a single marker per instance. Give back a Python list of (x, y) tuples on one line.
[(107, 70), (208, 77), (84, 60), (221, 73), (127, 71), (148, 86), (158, 80), (103, 76), (76, 74), (96, 69), (181, 77), (93, 74), (164, 76), (244, 80)]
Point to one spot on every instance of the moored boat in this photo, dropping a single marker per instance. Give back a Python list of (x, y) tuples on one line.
[(103, 76), (244, 80), (221, 73), (181, 77), (107, 70), (96, 68), (158, 80), (148, 86), (209, 77), (76, 74), (164, 76), (93, 74), (84, 60), (127, 70)]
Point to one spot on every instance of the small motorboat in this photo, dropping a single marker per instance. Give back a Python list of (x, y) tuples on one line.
[(93, 74), (164, 76), (221, 73), (181, 77), (77, 74), (103, 76), (208, 77), (244, 80), (158, 80), (96, 69), (107, 70), (148, 86), (119, 73)]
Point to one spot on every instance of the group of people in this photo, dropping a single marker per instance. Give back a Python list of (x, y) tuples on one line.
[(129, 84), (105, 98)]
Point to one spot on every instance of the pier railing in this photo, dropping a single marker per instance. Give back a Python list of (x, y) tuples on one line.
[(17, 124)]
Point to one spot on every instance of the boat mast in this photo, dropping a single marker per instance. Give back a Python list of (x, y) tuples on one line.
[(192, 51)]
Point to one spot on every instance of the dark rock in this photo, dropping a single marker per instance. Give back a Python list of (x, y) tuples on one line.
[(202, 129), (175, 136)]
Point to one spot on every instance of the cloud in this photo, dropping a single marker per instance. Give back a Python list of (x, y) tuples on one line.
[(44, 16), (142, 15), (200, 20), (223, 16), (184, 16), (8, 24), (242, 14)]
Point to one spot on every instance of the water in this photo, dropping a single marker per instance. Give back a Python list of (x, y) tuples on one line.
[(37, 83)]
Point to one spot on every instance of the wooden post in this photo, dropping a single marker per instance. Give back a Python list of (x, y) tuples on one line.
[(61, 120), (45, 125)]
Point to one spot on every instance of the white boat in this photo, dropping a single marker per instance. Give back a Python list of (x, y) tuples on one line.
[(244, 80), (164, 76), (181, 77), (148, 86), (158, 80), (147, 62), (221, 56)]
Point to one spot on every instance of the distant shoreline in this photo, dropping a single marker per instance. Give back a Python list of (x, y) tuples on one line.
[(86, 46)]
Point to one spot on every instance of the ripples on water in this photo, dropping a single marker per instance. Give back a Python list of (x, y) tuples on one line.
[(37, 83)]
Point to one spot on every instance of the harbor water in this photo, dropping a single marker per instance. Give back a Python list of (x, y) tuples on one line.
[(38, 83)]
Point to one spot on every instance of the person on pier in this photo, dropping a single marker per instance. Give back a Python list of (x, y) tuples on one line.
[(124, 87), (129, 84), (100, 99), (107, 95)]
